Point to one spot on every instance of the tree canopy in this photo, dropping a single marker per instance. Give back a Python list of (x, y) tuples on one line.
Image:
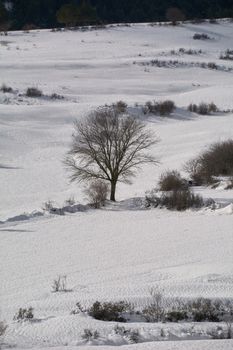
[(109, 147), (43, 12)]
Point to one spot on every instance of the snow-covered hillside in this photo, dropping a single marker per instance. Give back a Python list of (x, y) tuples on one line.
[(121, 251)]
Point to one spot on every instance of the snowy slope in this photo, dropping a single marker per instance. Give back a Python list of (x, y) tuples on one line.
[(121, 251)]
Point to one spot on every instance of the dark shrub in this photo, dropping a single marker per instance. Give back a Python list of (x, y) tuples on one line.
[(201, 36), (227, 55), (89, 334), (181, 200), (193, 108), (212, 107), (120, 106), (212, 65), (172, 180), (230, 184), (109, 311), (204, 310), (159, 108), (176, 316), (4, 88), (132, 334), (166, 107), (24, 314), (216, 161), (203, 108), (33, 92), (55, 96), (3, 328)]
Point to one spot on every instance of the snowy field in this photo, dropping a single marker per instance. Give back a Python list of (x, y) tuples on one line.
[(121, 251)]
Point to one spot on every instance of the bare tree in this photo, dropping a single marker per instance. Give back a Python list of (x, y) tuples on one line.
[(109, 147)]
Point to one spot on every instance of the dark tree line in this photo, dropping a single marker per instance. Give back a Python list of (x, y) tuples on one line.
[(42, 13)]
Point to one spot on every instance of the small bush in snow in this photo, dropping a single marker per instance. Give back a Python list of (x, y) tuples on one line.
[(212, 107), (24, 314), (159, 108), (33, 92), (4, 88), (205, 310), (176, 316), (172, 180), (89, 334), (3, 328), (201, 36), (155, 311), (203, 108), (120, 106), (55, 96), (174, 200), (227, 55), (230, 184), (132, 335), (70, 201), (97, 193), (48, 206), (109, 311), (78, 309), (215, 161), (60, 284), (181, 200)]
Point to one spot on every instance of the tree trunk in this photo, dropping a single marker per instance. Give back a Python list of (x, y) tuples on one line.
[(113, 191)]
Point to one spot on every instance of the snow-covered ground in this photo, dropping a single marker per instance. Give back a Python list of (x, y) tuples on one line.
[(121, 251)]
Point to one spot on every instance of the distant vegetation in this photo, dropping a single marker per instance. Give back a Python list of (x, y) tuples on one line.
[(53, 13), (217, 160)]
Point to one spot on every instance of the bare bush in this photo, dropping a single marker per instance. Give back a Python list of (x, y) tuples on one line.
[(60, 284), (212, 107), (172, 180), (33, 92), (183, 64), (155, 311), (109, 311), (24, 314), (70, 201), (78, 309), (201, 36), (120, 106), (227, 55), (132, 335), (159, 108), (55, 96), (174, 200), (89, 334), (181, 200), (183, 51), (6, 89), (204, 310), (48, 206), (3, 328), (203, 108), (230, 184), (97, 193), (215, 161)]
